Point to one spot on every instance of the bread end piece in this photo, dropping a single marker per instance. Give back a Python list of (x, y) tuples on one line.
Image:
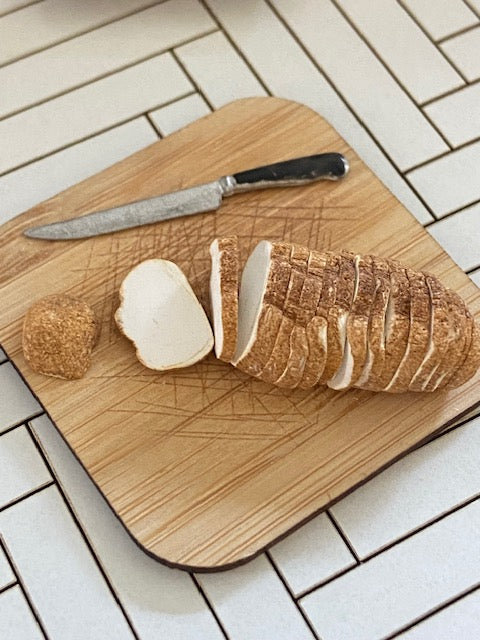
[(59, 333), (224, 295)]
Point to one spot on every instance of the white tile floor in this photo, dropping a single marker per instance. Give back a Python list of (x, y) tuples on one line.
[(83, 85)]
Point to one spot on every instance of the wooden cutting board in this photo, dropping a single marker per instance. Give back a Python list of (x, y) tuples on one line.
[(206, 466)]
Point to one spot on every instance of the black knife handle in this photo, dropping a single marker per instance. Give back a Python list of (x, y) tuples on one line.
[(327, 166)]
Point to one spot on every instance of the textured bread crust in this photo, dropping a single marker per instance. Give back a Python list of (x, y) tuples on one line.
[(459, 342), (376, 327), (59, 333), (297, 358), (339, 312), (357, 324), (440, 331), (267, 329), (398, 329), (350, 320), (228, 276), (277, 362), (419, 333), (470, 364), (326, 303), (315, 326)]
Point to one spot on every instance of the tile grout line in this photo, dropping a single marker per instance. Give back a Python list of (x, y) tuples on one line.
[(394, 543), (22, 587), (439, 156), (446, 94), (77, 35), (148, 118), (25, 496), (367, 43), (421, 27), (352, 111), (343, 536), (432, 612), (82, 532), (235, 47), (95, 134), (29, 4), (451, 213), (23, 422), (209, 604), (455, 34), (191, 79), (474, 10), (8, 586), (108, 74), (292, 595)]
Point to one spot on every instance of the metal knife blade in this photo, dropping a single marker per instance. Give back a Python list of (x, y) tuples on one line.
[(198, 199)]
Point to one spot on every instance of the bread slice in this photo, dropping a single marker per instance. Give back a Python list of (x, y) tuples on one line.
[(440, 329), (224, 295), (315, 326), (354, 356), (263, 288), (419, 333), (59, 334), (162, 316), (397, 326), (470, 363), (456, 345), (375, 356), (335, 344)]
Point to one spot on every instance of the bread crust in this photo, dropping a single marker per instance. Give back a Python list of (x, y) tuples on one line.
[(456, 342), (470, 363), (326, 303), (229, 265), (397, 339), (419, 333), (376, 326), (59, 333)]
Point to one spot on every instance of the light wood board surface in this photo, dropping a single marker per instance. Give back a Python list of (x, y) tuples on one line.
[(206, 466)]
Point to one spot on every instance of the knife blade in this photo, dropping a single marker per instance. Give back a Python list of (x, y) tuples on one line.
[(198, 199)]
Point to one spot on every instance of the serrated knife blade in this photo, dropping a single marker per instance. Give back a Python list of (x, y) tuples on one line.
[(198, 199)]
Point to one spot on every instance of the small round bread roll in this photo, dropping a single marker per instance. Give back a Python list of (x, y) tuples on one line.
[(59, 333)]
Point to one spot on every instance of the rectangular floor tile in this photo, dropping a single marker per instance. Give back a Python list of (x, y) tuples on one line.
[(445, 114), (451, 182), (464, 51), (21, 466), (161, 602), (10, 5), (459, 235), (366, 85), (449, 16), (45, 23), (26, 187), (179, 114), (252, 603), (16, 400), (100, 52), (401, 584), (475, 276), (420, 487), (16, 618), (459, 620), (218, 70), (6, 574), (63, 581), (312, 554), (288, 73), (3, 355), (90, 109), (412, 57)]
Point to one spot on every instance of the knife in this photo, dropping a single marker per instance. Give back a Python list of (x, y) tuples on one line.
[(199, 199)]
